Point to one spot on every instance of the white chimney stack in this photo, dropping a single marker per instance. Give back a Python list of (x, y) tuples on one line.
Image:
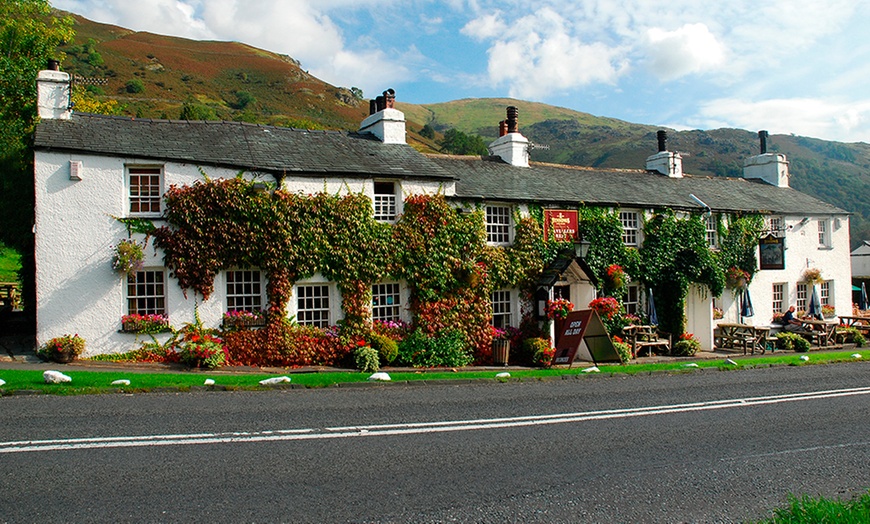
[(511, 146), (665, 162), (53, 93), (384, 121), (769, 167)]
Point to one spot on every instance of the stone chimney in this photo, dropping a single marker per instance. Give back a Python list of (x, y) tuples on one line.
[(665, 162), (769, 167), (53, 92), (511, 146), (384, 120)]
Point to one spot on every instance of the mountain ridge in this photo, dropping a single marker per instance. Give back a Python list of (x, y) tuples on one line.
[(236, 81)]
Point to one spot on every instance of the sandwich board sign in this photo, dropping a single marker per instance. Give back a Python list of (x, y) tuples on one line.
[(583, 326)]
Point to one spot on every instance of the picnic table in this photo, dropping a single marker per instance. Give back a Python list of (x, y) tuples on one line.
[(862, 323), (741, 336), (819, 332), (649, 337)]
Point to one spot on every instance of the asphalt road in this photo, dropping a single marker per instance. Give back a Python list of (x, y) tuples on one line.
[(708, 446)]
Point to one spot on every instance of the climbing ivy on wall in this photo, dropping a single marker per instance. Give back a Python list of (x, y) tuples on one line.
[(738, 243)]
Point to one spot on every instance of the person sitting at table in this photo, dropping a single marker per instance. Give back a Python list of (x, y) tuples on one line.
[(792, 324)]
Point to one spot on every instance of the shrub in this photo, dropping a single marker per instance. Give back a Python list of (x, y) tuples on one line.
[(134, 86), (446, 348), (623, 349), (366, 359), (202, 350), (386, 348), (539, 352), (686, 346), (793, 342), (851, 334)]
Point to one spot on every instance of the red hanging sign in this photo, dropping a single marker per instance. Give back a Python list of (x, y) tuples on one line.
[(561, 224)]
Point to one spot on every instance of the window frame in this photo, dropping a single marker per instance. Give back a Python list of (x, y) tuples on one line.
[(329, 309), (161, 298), (711, 230), (777, 297), (632, 304), (501, 308), (138, 171), (392, 201), (258, 281), (396, 307), (499, 233), (801, 296), (824, 233), (825, 293), (630, 221)]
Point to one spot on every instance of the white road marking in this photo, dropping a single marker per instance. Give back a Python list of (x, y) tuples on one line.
[(408, 428)]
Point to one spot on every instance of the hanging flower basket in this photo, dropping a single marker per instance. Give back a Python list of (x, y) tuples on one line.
[(736, 278), (813, 275), (558, 309), (129, 257), (616, 276)]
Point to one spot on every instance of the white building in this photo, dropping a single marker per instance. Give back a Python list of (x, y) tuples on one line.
[(90, 170)]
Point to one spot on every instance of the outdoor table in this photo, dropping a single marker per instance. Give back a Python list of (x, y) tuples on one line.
[(741, 336), (862, 323), (640, 337), (821, 331)]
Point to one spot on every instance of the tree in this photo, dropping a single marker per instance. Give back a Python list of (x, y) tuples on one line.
[(459, 143), (427, 132), (135, 86), (30, 32), (194, 111)]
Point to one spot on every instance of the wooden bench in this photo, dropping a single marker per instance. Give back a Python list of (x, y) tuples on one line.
[(742, 336), (646, 337)]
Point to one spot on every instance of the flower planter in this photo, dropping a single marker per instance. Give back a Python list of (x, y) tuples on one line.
[(143, 327), (63, 357), (500, 352)]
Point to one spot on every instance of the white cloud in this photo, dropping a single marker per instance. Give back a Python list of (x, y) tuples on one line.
[(484, 28), (690, 49), (833, 120)]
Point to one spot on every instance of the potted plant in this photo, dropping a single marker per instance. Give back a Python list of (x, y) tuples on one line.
[(244, 318), (128, 258), (501, 344), (150, 324), (62, 349), (828, 311), (559, 308)]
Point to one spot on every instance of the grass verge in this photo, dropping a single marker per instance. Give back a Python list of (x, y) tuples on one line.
[(809, 510), (84, 381)]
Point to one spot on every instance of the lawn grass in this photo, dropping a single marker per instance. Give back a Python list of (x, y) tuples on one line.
[(809, 510), (84, 381), (10, 262)]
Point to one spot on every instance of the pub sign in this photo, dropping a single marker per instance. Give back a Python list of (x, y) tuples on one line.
[(561, 224)]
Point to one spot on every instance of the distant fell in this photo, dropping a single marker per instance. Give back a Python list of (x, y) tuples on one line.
[(155, 76)]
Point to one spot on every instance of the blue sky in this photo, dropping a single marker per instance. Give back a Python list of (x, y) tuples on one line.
[(788, 66)]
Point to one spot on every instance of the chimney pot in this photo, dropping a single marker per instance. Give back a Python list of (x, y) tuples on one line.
[(373, 106), (502, 128), (512, 119), (762, 137), (53, 65), (389, 99), (662, 137)]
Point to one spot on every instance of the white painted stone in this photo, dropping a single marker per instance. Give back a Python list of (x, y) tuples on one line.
[(55, 377), (854, 355), (503, 374), (209, 382), (805, 357), (380, 376), (593, 369), (2, 382), (729, 361), (690, 365), (274, 380), (121, 382)]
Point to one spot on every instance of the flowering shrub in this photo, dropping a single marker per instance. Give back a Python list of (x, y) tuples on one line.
[(736, 278), (607, 307), (136, 323), (778, 318), (558, 309), (539, 351), (686, 346), (128, 257), (62, 349), (394, 329), (828, 311), (203, 350), (507, 333)]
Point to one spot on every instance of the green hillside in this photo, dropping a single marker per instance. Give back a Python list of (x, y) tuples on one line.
[(234, 81)]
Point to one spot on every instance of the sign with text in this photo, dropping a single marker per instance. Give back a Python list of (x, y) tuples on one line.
[(561, 224), (580, 324)]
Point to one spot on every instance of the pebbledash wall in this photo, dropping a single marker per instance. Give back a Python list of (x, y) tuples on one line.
[(79, 194)]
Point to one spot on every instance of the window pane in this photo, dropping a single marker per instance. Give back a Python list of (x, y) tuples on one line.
[(498, 223), (386, 302), (312, 305), (501, 309), (244, 291), (145, 293)]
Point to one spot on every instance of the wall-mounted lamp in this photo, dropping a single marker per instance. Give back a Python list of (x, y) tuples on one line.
[(581, 248), (75, 169), (804, 220)]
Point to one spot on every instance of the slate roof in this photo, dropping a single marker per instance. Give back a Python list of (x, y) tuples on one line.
[(490, 177), (269, 149)]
